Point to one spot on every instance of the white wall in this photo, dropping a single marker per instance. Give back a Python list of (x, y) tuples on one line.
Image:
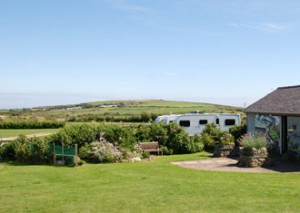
[(251, 122), (294, 133)]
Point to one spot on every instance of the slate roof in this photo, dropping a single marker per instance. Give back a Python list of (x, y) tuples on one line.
[(283, 101)]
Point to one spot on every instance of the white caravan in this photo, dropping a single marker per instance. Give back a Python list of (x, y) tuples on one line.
[(195, 123), (166, 119)]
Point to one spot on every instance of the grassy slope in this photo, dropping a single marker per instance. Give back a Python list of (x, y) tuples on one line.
[(155, 186), (151, 106)]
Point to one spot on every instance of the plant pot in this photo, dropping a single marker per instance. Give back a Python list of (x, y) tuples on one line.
[(253, 158), (223, 150)]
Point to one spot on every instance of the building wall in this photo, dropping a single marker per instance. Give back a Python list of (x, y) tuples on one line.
[(251, 122), (293, 125)]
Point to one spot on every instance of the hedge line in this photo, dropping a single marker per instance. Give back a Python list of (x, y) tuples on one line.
[(31, 125)]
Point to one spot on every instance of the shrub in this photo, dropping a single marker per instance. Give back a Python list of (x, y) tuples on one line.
[(41, 151), (197, 143), (250, 143), (178, 139), (84, 151), (75, 134), (208, 142), (7, 151), (256, 141), (103, 152), (238, 131), (167, 151), (213, 131), (22, 149), (226, 138), (32, 150)]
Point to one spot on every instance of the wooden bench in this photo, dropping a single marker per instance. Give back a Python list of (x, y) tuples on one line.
[(151, 147)]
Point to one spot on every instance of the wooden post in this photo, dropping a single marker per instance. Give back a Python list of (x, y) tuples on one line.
[(54, 155), (62, 152), (76, 153)]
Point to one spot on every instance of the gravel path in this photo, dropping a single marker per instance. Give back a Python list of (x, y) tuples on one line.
[(230, 165)]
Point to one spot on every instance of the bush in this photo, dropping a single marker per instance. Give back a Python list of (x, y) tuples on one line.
[(32, 150), (251, 143), (226, 138), (197, 144), (238, 131), (75, 134), (167, 151), (213, 131), (103, 152), (178, 139), (7, 152), (256, 141), (209, 143)]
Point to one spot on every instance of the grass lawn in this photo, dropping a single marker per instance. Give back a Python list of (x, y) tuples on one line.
[(5, 133), (155, 186)]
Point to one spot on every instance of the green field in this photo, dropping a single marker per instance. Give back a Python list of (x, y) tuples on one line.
[(5, 133), (155, 186), (135, 108)]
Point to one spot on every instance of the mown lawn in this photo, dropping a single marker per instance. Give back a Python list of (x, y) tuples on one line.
[(155, 186), (4, 133)]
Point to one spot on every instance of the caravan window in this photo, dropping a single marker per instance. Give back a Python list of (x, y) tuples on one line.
[(229, 122), (203, 122), (185, 123)]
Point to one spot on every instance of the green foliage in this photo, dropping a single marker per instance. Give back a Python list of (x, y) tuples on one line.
[(103, 152), (172, 137), (76, 134), (31, 124), (31, 150), (250, 142), (7, 152), (198, 145), (238, 131), (254, 141), (208, 141), (167, 151), (213, 131), (226, 138), (178, 139), (83, 151), (119, 136)]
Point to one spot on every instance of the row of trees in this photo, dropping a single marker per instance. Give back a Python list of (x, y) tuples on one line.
[(143, 117)]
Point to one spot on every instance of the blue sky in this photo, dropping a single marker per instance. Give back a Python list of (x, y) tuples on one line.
[(229, 52)]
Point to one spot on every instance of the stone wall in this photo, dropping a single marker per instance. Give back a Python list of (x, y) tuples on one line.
[(223, 150), (254, 158)]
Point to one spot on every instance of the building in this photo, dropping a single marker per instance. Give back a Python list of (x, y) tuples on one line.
[(278, 112)]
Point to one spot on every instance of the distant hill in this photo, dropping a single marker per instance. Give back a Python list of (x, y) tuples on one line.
[(131, 107), (123, 108)]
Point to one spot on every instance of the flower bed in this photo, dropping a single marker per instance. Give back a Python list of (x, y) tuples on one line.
[(254, 152)]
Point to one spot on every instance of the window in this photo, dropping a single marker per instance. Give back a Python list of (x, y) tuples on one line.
[(217, 121), (203, 122), (229, 122), (185, 123)]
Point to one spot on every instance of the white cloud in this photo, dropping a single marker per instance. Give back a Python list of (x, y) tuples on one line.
[(268, 27)]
